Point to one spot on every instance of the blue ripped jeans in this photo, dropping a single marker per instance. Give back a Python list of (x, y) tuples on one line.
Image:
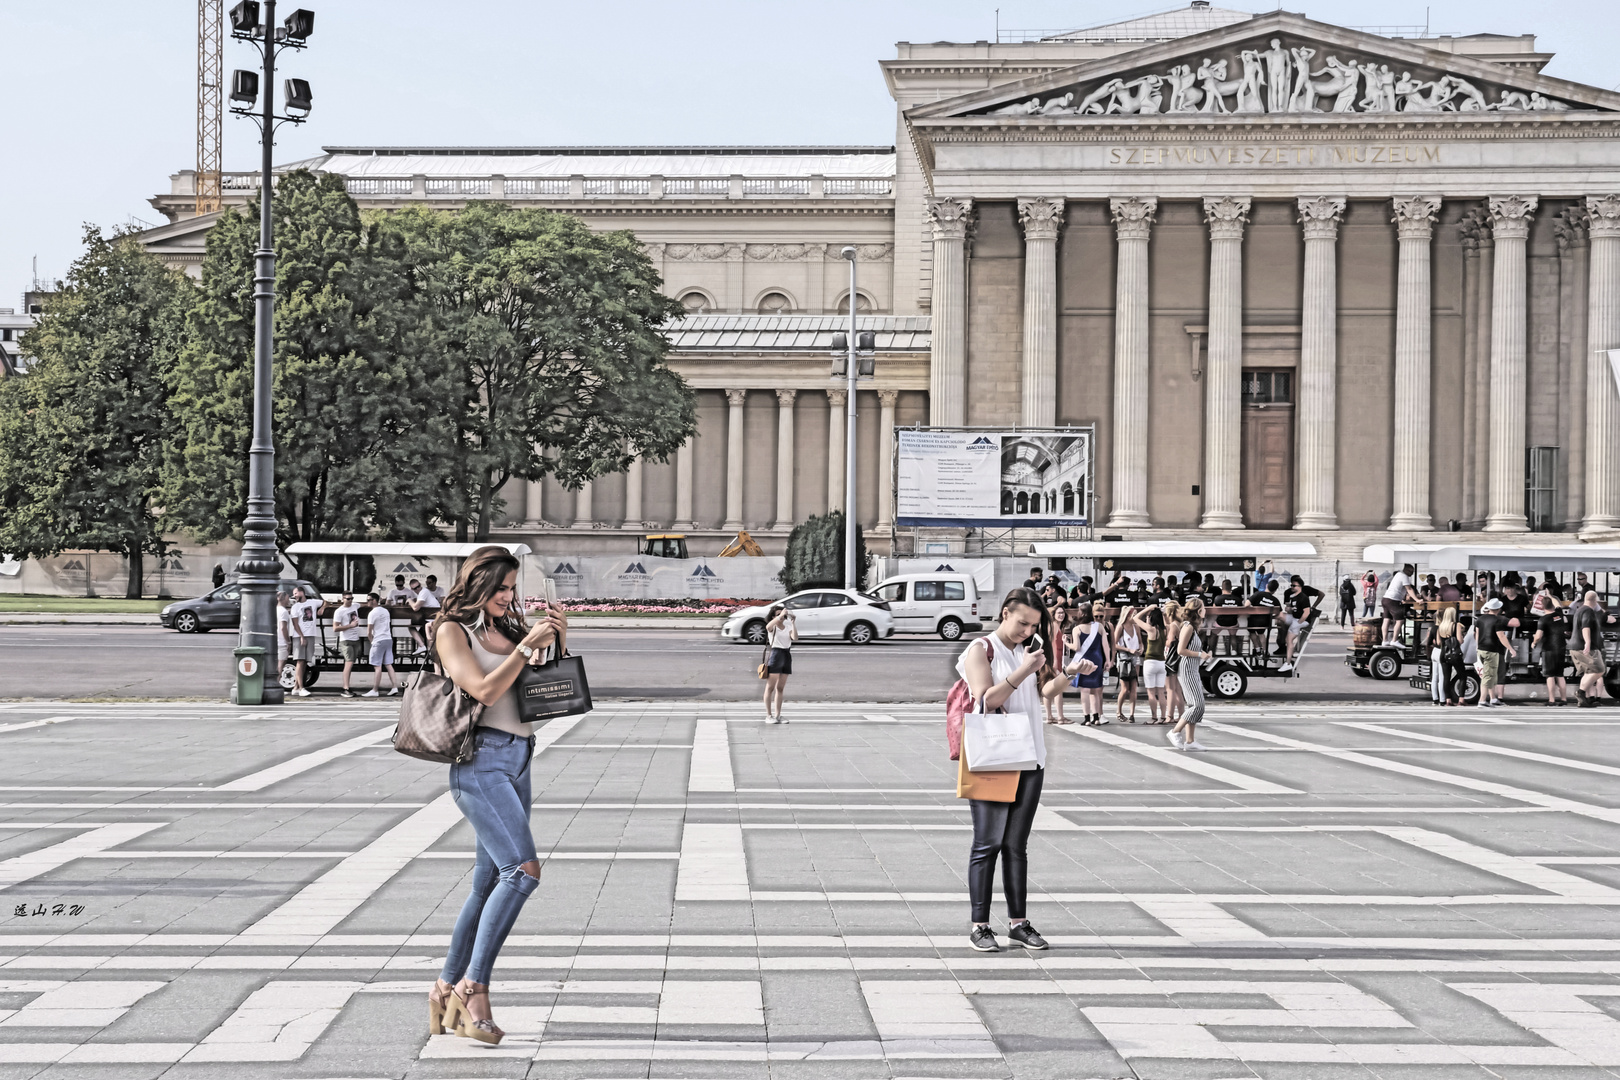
[(492, 791)]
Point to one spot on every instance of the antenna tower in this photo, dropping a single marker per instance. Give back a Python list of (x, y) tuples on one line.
[(210, 90)]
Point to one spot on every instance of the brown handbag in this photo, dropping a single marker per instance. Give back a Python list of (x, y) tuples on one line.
[(988, 786), (437, 720)]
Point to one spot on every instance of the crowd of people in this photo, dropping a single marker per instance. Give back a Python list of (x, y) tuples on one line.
[(364, 634)]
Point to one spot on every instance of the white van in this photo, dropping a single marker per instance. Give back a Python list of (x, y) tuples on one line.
[(944, 604)]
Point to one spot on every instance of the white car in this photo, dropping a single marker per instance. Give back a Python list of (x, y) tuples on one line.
[(821, 615)]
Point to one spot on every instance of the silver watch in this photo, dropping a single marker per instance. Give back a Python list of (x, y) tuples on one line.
[(528, 653)]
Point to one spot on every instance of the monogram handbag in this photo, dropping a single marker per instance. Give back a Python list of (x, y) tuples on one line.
[(556, 688), (437, 720)]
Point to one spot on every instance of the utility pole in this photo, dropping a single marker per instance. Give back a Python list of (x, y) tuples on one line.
[(852, 572)]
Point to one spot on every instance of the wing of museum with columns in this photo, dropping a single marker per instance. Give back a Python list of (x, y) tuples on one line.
[(1298, 276)]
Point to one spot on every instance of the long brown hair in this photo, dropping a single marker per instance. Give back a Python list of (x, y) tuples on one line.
[(482, 574), (1031, 599)]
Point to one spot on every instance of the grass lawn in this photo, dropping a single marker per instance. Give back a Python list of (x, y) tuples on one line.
[(79, 605)]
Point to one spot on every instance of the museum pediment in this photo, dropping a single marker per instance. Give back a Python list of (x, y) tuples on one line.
[(1276, 65)]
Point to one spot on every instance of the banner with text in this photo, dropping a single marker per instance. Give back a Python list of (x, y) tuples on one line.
[(643, 577), (1037, 478)]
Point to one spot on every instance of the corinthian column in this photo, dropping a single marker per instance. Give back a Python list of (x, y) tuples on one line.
[(886, 399), (836, 400), (1042, 218), (734, 458), (1223, 377), (683, 486), (784, 458), (1510, 223), (1414, 221), (633, 488), (584, 506), (1133, 219), (947, 379), (1602, 332), (1319, 364)]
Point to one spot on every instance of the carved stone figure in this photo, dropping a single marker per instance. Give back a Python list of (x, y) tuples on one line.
[(1249, 99), (1471, 99), (1093, 103), (1144, 100), (1411, 95), (1058, 106), (1304, 97), (1512, 101), (1542, 103), (1212, 74), (1184, 94), (1277, 72), (1373, 100), (1340, 84), (1019, 108)]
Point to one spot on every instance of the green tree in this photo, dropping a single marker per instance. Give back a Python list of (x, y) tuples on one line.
[(360, 443), (82, 435), (815, 553), (548, 336)]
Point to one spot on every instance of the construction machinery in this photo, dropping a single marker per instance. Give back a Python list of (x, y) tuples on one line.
[(743, 545)]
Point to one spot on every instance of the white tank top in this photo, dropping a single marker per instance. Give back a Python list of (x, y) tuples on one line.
[(503, 715)]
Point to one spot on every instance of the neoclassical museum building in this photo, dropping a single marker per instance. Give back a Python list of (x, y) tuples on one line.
[(1297, 276)]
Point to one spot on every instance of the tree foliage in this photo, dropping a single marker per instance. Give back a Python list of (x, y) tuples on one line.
[(815, 554), (358, 433), (82, 435), (547, 336)]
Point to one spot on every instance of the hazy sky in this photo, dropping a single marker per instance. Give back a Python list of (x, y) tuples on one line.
[(102, 96)]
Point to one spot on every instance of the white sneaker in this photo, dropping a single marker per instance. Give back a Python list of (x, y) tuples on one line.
[(370, 693), (1286, 667), (1103, 720), (769, 719), (1194, 745), (1175, 737), (300, 692), (392, 691)]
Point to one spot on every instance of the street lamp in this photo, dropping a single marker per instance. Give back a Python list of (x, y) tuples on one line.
[(853, 357), (260, 567)]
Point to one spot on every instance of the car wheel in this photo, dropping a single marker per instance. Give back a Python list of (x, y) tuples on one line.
[(186, 622), (1470, 688), (1228, 682), (312, 674), (1385, 665), (288, 670), (860, 633), (951, 629), (754, 632)]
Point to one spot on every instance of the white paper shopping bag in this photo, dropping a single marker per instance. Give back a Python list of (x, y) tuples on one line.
[(998, 742)]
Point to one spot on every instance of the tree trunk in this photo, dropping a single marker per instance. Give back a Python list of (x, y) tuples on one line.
[(486, 507), (461, 530), (134, 589)]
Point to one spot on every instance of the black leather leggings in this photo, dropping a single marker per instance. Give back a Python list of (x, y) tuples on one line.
[(1003, 829)]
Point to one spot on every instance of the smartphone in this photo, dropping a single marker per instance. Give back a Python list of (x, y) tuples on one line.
[(550, 593), (1035, 643)]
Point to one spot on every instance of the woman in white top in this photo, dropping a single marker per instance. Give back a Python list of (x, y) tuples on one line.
[(1127, 662), (1001, 672), (482, 643), (781, 631)]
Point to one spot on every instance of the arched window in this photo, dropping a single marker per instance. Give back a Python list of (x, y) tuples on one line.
[(1023, 503), (1006, 502), (695, 302), (863, 304), (1068, 498), (775, 303)]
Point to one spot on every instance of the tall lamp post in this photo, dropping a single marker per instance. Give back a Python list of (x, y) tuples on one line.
[(259, 570), (855, 359)]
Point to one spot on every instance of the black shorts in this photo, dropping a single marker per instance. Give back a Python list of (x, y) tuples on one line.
[(779, 662)]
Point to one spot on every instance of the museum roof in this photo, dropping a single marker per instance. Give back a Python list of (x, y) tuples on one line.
[(872, 161), (1164, 26), (794, 333)]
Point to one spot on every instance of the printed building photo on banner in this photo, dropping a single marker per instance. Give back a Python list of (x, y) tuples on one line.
[(1038, 478)]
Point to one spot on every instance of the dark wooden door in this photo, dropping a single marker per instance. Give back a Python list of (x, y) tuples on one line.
[(1268, 466)]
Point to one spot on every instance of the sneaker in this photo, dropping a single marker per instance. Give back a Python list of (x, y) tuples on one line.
[(393, 691), (345, 692), (300, 692), (1027, 936), (1285, 667), (1194, 745), (1101, 720), (370, 693), (1175, 737), (983, 939)]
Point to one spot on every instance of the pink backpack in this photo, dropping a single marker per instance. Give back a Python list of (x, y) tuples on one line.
[(958, 703)]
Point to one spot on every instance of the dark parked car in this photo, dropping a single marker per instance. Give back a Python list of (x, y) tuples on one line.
[(220, 609)]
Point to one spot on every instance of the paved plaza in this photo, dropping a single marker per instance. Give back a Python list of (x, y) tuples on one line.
[(1331, 891)]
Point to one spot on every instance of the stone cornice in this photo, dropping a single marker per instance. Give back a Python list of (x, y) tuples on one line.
[(1323, 127)]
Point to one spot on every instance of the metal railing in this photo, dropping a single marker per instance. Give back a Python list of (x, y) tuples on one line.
[(563, 187)]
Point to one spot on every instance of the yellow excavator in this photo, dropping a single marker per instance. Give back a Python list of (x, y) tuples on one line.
[(743, 545)]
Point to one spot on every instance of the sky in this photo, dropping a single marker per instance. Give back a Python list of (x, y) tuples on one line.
[(101, 97)]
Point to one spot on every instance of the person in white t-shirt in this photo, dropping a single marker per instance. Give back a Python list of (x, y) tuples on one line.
[(283, 630), (399, 594), (380, 627), (426, 606), (346, 620), (305, 624), (1396, 596)]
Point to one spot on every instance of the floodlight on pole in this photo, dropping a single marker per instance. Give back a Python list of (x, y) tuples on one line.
[(245, 17), (245, 86)]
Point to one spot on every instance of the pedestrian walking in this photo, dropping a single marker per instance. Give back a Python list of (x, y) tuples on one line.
[(1006, 679), (781, 631), (1091, 649), (1053, 684), (351, 638), (1173, 616), (1588, 653), (1552, 636), (380, 628), (1127, 662), (483, 655), (1190, 647), (1347, 602)]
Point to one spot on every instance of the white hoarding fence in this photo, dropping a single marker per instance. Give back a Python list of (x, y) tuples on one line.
[(643, 577), (1007, 478)]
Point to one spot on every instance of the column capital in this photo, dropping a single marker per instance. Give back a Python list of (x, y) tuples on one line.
[(1414, 215), (887, 398), (1133, 215), (1571, 227), (786, 397), (1511, 215), (1474, 228), (952, 218), (1041, 217), (838, 398), (736, 398), (1604, 214), (1226, 214), (1320, 215)]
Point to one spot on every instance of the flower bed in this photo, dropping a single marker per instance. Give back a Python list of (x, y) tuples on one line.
[(717, 607)]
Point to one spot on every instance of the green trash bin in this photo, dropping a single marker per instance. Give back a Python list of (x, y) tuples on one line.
[(250, 675)]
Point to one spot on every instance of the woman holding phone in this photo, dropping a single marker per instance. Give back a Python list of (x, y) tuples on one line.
[(780, 632), (1002, 672)]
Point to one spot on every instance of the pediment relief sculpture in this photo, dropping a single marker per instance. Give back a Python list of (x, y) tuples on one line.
[(1283, 75)]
